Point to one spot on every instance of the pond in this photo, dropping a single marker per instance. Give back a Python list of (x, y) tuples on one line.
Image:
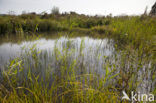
[(102, 47), (85, 55)]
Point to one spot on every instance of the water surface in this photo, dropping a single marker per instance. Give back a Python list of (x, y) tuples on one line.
[(91, 55), (9, 50)]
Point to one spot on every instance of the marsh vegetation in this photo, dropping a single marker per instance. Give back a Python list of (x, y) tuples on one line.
[(72, 58)]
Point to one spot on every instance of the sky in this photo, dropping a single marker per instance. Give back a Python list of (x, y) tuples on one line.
[(88, 7)]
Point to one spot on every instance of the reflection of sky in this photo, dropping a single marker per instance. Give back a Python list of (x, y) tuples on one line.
[(8, 50), (92, 7)]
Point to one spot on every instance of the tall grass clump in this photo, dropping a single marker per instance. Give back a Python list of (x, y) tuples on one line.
[(61, 78)]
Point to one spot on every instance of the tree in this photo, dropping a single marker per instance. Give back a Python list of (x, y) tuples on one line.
[(11, 12), (153, 11), (145, 12), (55, 10)]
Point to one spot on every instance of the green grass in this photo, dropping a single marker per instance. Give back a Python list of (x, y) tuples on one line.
[(32, 78), (125, 29), (27, 80), (24, 79)]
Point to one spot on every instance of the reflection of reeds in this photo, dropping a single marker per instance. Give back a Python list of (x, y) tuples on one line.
[(63, 76)]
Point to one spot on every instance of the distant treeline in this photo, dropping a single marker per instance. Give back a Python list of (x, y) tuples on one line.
[(61, 22), (49, 22)]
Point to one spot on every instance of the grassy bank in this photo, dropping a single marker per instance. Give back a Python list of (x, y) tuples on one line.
[(126, 29)]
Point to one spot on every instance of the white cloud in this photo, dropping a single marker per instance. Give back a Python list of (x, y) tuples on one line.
[(102, 7)]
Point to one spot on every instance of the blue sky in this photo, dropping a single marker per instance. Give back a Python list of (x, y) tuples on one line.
[(90, 7)]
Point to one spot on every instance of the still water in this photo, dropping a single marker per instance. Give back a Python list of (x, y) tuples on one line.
[(103, 47), (91, 55)]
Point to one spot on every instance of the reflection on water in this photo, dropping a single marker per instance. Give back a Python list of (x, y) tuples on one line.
[(91, 56), (10, 50)]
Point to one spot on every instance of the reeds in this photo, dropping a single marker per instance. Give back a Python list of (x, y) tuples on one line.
[(63, 76)]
